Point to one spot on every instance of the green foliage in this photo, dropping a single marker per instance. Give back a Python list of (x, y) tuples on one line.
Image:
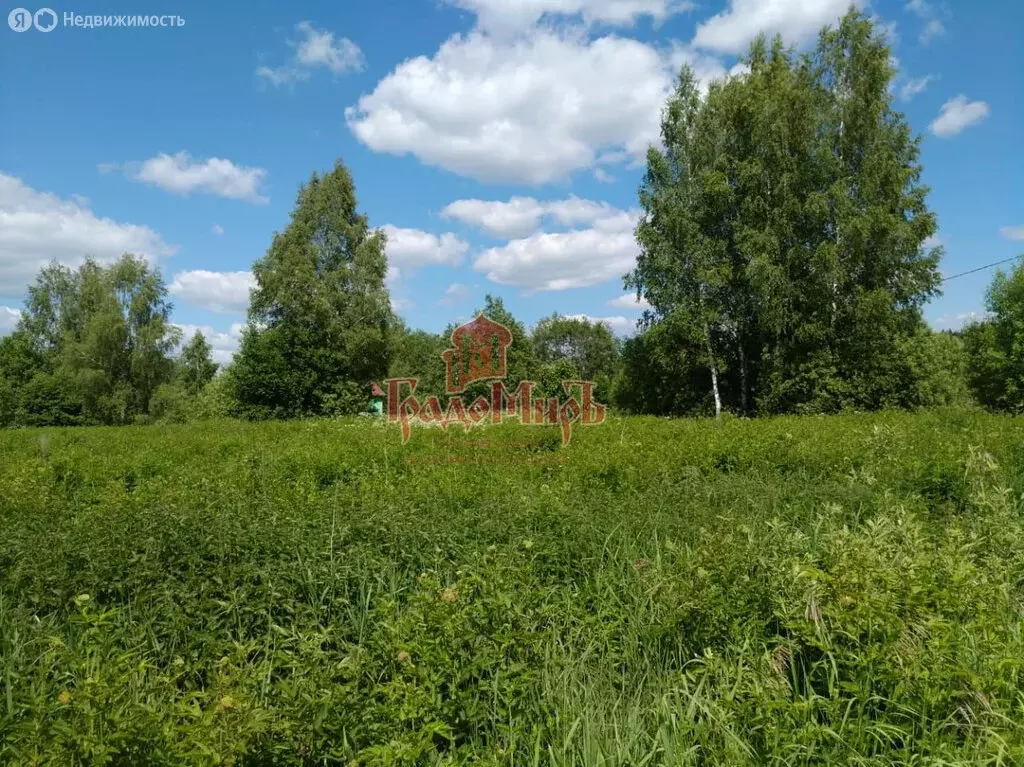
[(661, 371), (320, 315), (417, 354), (784, 228), (589, 347), (937, 364), (196, 367), (169, 404), (215, 400), (995, 346), (841, 590), (92, 347)]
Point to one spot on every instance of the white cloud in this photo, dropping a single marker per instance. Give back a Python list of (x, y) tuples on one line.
[(8, 319), (37, 227), (393, 275), (454, 293), (956, 114), (514, 15), (932, 29), (413, 248), (618, 325), (629, 301), (530, 109), (517, 217), (400, 304), (958, 321), (317, 48), (223, 343), (798, 21), (216, 291), (562, 260), (1012, 232), (180, 174), (575, 211), (521, 216), (603, 177), (914, 86), (218, 229)]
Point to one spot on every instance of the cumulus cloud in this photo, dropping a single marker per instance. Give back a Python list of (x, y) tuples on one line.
[(9, 318), (914, 86), (504, 16), (516, 217), (317, 48), (529, 109), (798, 21), (618, 325), (521, 216), (561, 260), (218, 229), (224, 343), (412, 248), (216, 291), (1012, 232), (180, 174), (629, 301), (38, 227), (956, 114)]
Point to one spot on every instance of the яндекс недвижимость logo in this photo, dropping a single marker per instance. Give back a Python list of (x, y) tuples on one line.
[(478, 353)]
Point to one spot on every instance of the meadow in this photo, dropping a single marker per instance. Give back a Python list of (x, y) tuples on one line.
[(786, 591)]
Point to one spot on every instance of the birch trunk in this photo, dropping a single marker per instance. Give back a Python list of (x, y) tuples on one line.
[(714, 370)]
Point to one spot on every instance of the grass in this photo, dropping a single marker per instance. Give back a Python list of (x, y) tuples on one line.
[(787, 591)]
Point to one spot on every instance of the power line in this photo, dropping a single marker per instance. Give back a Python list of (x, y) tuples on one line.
[(972, 271)]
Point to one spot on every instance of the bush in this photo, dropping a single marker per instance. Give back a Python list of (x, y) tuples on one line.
[(169, 404)]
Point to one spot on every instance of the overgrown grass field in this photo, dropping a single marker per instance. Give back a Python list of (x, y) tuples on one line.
[(786, 591)]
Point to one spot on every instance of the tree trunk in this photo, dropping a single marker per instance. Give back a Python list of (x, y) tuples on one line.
[(743, 379), (714, 371)]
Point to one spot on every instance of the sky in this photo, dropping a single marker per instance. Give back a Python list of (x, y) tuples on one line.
[(499, 143)]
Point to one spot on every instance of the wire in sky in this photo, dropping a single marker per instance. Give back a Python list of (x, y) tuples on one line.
[(972, 271)]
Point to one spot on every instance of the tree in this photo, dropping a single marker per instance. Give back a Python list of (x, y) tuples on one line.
[(784, 228), (196, 367), (320, 315), (995, 347), (937, 366), (662, 371), (417, 354), (92, 345), (589, 347), (117, 338), (679, 268)]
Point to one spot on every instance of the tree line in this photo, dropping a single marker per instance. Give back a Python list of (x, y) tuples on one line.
[(783, 255)]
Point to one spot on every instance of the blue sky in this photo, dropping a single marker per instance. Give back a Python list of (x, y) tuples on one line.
[(496, 140)]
